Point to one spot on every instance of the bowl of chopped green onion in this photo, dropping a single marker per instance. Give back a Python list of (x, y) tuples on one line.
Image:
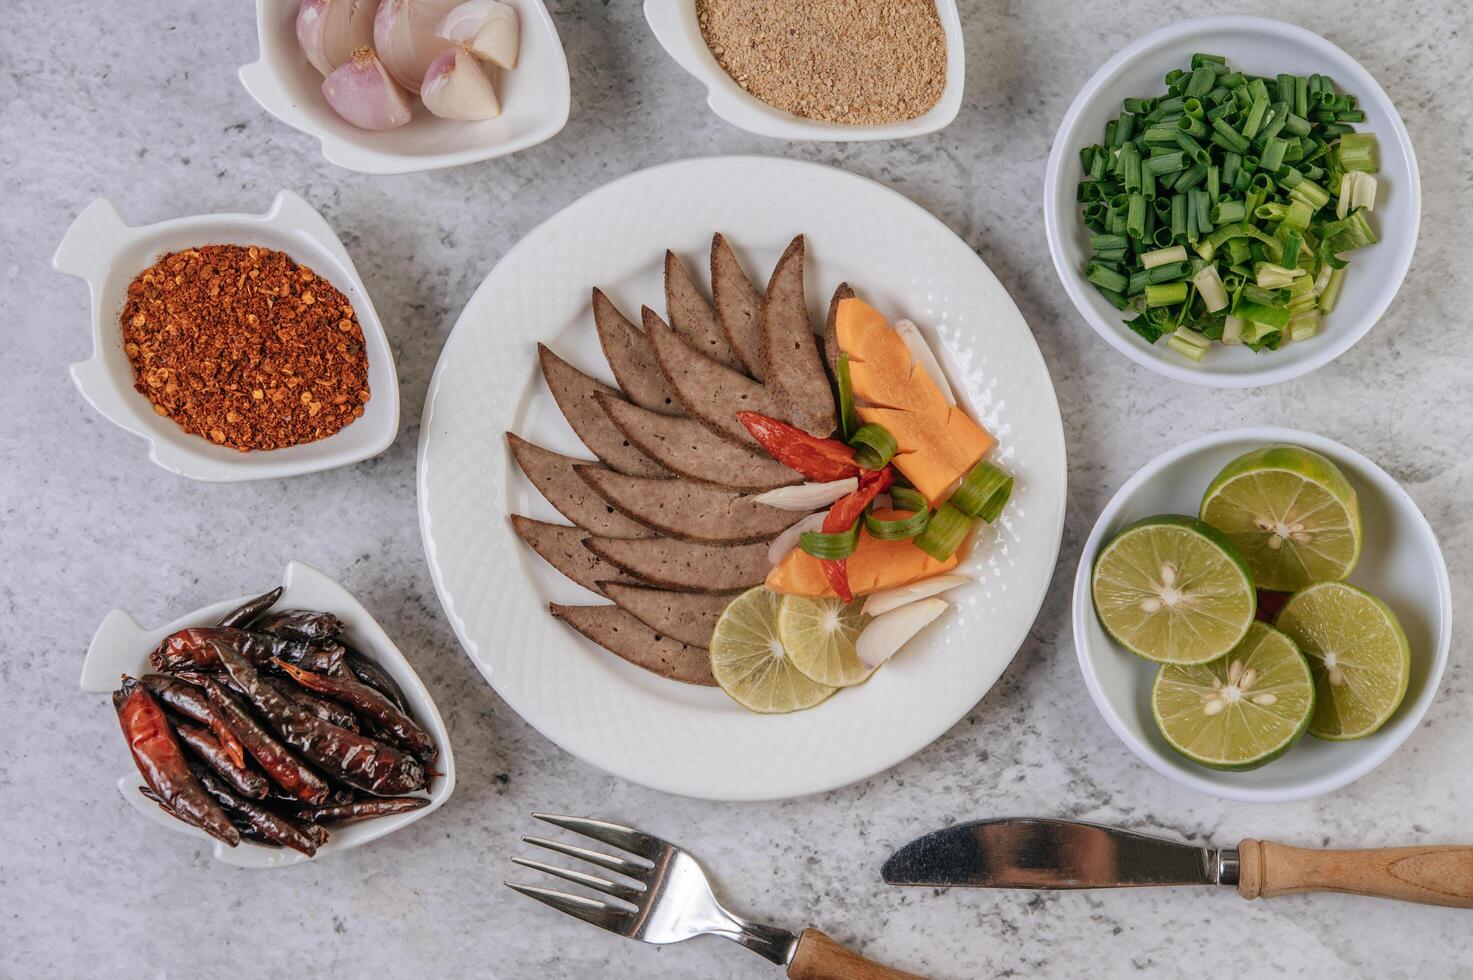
[(1232, 201)]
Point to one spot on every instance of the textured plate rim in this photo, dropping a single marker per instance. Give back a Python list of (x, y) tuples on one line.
[(836, 776)]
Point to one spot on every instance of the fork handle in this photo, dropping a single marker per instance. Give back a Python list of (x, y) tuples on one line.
[(1437, 875), (820, 958)]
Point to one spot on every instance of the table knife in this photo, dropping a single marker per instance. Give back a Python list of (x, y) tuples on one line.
[(1039, 853)]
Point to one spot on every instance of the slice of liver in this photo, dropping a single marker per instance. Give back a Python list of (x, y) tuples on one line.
[(693, 317), (577, 396), (554, 476), (689, 617), (738, 305), (562, 547), (690, 450), (683, 565), (711, 394), (791, 367), (620, 633), (686, 510), (628, 352)]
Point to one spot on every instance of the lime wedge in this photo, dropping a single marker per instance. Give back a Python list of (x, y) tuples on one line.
[(748, 661), (1239, 711), (819, 636), (1292, 514), (1358, 653), (1173, 590)]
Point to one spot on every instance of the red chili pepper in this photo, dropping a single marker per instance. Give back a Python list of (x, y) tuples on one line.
[(823, 460), (841, 517)]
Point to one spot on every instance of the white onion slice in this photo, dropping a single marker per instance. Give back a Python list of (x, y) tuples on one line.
[(455, 87), (361, 91), (808, 496), (404, 37), (329, 31), (888, 633), (788, 540), (489, 27), (920, 352), (880, 603)]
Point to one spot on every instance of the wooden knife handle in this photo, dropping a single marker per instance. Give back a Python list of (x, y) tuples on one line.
[(820, 958), (1437, 875)]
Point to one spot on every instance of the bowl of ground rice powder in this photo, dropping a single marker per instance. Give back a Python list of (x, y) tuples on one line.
[(820, 70)]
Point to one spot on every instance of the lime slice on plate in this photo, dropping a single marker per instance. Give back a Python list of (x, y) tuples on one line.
[(748, 661), (1359, 655), (1292, 514), (1239, 711), (819, 636), (1173, 590)]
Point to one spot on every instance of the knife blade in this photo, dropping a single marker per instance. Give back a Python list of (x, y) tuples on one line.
[(1039, 853)]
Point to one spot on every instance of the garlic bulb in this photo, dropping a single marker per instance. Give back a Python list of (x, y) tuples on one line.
[(455, 87), (329, 31), (361, 91), (405, 39), (489, 27)]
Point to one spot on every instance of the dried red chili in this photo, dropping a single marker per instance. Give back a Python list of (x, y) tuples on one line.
[(244, 347)]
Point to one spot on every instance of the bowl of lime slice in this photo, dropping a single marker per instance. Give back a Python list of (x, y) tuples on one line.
[(1262, 614)]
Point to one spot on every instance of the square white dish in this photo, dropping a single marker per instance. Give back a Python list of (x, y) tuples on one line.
[(1400, 562), (1254, 45), (121, 646), (101, 249), (676, 27), (536, 97)]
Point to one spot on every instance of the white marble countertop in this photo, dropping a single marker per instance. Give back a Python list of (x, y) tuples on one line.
[(142, 104)]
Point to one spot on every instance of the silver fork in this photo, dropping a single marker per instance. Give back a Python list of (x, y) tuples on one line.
[(670, 900)]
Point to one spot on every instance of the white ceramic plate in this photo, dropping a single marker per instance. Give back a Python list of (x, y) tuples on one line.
[(676, 27), (535, 100), (108, 254), (122, 646), (677, 738), (1400, 562), (1257, 45)]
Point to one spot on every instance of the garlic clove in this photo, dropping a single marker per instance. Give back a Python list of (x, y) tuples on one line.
[(456, 87), (404, 37), (361, 91), (329, 31), (788, 540), (886, 634), (808, 496), (490, 27)]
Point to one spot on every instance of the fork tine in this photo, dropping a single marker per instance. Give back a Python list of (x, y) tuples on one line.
[(624, 838), (630, 868), (601, 914), (614, 888)]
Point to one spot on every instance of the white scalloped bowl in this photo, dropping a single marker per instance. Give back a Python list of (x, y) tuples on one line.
[(122, 646), (108, 254), (535, 100), (676, 27), (1400, 562), (1255, 44)]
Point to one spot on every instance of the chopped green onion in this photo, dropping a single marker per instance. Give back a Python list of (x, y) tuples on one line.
[(1358, 152), (1162, 256), (1331, 293), (899, 528), (945, 533), (908, 498), (983, 492), (1167, 294), (848, 418), (1210, 288), (874, 446), (830, 547), (1189, 343)]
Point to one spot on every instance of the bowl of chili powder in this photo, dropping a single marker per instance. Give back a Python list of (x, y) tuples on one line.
[(238, 346)]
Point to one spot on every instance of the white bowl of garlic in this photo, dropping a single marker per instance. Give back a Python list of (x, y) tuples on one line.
[(385, 93)]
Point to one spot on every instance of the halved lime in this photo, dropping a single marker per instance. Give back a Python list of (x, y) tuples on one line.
[(1173, 590), (1239, 711), (1292, 514), (1358, 652), (748, 661), (819, 636)]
